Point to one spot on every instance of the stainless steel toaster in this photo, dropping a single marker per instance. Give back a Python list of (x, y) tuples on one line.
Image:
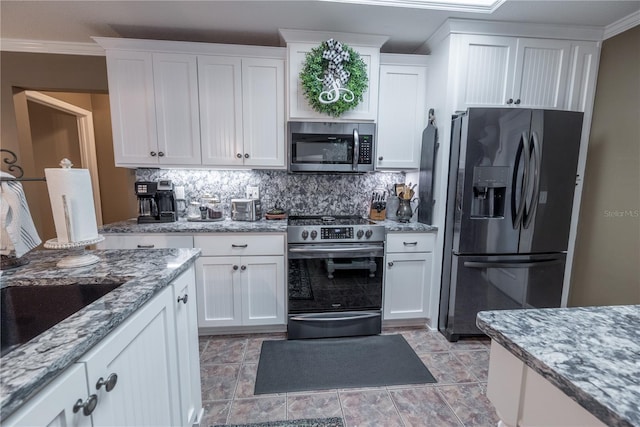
[(246, 209)]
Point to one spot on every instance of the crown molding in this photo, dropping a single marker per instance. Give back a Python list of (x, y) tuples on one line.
[(622, 25), (307, 36), (46, 46)]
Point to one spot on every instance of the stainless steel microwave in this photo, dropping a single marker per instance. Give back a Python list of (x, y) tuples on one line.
[(331, 147)]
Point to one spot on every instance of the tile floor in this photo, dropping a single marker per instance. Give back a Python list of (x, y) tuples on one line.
[(229, 365)]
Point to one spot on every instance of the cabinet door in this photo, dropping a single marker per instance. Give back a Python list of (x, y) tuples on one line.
[(401, 116), (485, 71), (263, 112), (581, 82), (541, 73), (177, 111), (219, 293), (299, 108), (141, 352), (184, 300), (159, 241), (407, 285), (220, 90), (53, 406), (263, 293), (132, 99)]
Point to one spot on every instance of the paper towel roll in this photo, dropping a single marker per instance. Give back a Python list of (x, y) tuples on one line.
[(70, 190)]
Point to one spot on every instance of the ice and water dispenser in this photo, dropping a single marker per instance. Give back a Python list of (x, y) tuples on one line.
[(489, 190)]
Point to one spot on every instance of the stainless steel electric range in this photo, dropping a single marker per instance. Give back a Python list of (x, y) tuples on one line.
[(334, 276)]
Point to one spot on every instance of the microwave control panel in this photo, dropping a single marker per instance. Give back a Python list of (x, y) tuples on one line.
[(365, 149)]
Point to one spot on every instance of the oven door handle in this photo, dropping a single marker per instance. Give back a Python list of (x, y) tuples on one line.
[(332, 319), (327, 249)]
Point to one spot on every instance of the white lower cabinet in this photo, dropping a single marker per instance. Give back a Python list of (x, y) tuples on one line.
[(244, 283), (145, 241), (144, 373), (407, 276), (54, 405)]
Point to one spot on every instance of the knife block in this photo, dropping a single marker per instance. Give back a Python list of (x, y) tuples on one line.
[(377, 215)]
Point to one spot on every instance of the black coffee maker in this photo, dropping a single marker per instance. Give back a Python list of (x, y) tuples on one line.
[(156, 201)]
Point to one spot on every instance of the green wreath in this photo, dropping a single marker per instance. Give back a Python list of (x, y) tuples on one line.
[(321, 95)]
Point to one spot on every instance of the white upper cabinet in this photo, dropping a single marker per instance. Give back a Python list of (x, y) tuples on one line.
[(175, 79), (196, 104), (263, 112), (133, 111), (220, 87), (511, 71), (402, 116)]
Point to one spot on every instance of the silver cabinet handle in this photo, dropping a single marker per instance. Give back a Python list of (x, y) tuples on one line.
[(160, 154), (246, 155), (87, 406), (153, 154), (235, 267), (239, 155), (109, 384), (243, 268), (410, 243), (390, 264), (184, 299), (239, 246), (146, 246)]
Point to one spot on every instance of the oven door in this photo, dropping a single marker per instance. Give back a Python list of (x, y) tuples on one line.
[(335, 289)]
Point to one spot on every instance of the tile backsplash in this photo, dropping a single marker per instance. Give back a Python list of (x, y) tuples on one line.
[(299, 194)]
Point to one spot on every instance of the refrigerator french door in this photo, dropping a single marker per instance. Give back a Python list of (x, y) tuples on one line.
[(511, 182)]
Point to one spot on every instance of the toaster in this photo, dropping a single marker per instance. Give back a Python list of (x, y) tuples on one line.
[(246, 209)]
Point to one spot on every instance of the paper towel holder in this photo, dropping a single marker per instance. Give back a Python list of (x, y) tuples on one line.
[(75, 260)]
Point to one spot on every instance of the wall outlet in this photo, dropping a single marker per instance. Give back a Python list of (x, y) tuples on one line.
[(252, 192)]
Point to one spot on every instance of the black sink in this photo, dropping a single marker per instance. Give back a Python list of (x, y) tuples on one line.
[(27, 311)]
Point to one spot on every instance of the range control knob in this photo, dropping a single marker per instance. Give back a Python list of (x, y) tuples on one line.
[(314, 234), (305, 234), (360, 233), (368, 234)]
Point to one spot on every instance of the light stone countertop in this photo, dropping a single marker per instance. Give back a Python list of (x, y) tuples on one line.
[(229, 226), (592, 354), (29, 367)]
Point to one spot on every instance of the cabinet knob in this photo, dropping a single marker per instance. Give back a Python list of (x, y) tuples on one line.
[(160, 154), (243, 268), (235, 267), (380, 158), (109, 384), (239, 155), (246, 155), (87, 406), (517, 102), (509, 101), (153, 154), (390, 264), (184, 299)]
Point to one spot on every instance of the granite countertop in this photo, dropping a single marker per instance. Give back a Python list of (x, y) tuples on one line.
[(34, 364), (592, 354), (229, 226)]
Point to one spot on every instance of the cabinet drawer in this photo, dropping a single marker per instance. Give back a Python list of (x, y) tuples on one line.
[(411, 242), (239, 244), (145, 242)]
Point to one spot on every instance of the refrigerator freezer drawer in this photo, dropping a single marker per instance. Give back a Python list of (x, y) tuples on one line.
[(494, 282)]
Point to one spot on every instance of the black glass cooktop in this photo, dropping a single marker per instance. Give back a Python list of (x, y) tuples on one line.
[(328, 220), (27, 311)]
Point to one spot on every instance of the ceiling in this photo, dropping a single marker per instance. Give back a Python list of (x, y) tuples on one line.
[(257, 22)]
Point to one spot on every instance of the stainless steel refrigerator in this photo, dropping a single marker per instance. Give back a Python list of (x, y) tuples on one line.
[(512, 175)]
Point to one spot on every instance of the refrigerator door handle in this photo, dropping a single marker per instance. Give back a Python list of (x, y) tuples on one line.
[(511, 264), (523, 147), (535, 194)]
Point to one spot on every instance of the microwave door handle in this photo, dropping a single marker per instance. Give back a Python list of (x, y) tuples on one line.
[(356, 149)]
